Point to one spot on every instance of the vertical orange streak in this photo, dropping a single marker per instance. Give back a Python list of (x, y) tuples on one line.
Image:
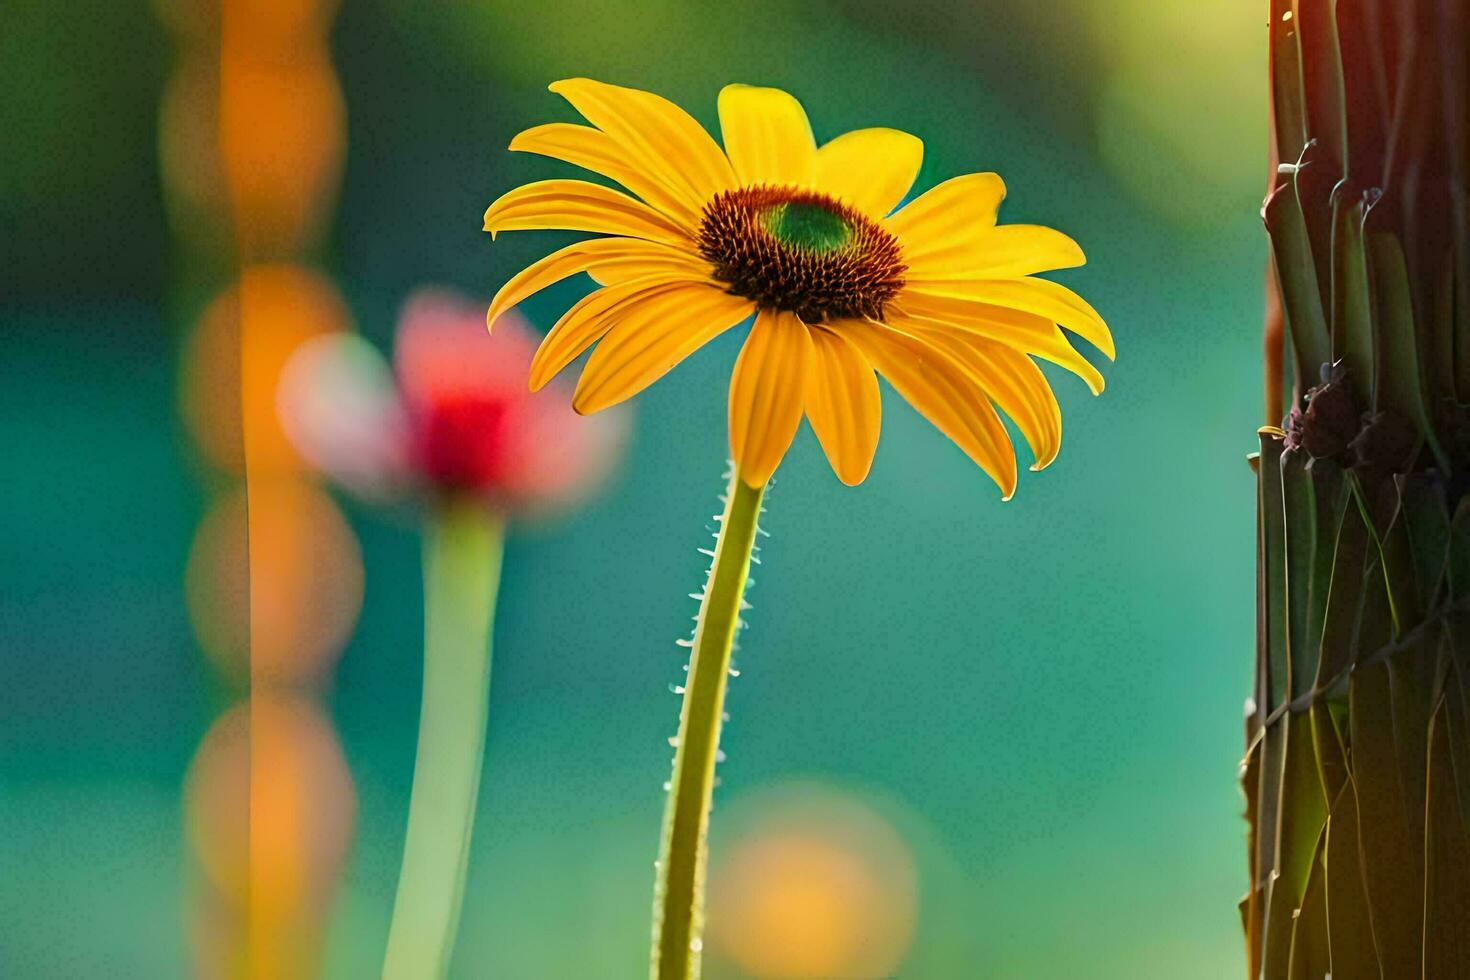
[(252, 132), (280, 137), (257, 906), (268, 952)]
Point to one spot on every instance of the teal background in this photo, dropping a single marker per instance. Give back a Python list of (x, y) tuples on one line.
[(1043, 696)]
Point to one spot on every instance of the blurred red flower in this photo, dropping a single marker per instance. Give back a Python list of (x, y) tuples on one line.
[(452, 417)]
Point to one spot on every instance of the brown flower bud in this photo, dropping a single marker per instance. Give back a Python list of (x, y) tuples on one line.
[(1330, 421)]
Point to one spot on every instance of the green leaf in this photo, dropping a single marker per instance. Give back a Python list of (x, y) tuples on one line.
[(1401, 387), (1286, 83), (1456, 697), (1344, 598), (1349, 924), (1446, 862), (1311, 958), (1273, 556), (1400, 573), (1296, 278), (1330, 495), (1278, 900), (1300, 507), (1352, 317), (1330, 747), (1321, 68), (1253, 905), (1392, 868), (1303, 809), (1427, 524)]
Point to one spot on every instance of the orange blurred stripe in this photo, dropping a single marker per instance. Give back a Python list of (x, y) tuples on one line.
[(252, 143), (269, 807)]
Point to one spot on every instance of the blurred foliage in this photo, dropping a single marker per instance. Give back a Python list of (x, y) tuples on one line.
[(79, 182)]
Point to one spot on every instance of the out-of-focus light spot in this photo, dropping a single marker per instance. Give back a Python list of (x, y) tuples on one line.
[(279, 307), (1181, 112), (209, 384), (276, 27), (251, 150), (217, 803), (265, 316), (281, 612), (819, 885), (339, 407), (282, 140), (269, 808)]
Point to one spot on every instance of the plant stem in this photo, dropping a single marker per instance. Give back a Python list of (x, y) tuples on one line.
[(678, 899), (462, 552)]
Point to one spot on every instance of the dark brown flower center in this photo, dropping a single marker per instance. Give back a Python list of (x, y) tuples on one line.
[(801, 251)]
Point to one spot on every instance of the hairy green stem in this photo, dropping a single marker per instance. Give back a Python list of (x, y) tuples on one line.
[(678, 900), (462, 552)]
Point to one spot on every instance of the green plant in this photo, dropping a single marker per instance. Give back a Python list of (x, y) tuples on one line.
[(1357, 769)]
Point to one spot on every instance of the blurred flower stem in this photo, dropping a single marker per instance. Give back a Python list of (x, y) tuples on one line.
[(462, 555), (678, 902)]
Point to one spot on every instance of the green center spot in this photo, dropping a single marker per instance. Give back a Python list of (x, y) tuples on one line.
[(808, 226)]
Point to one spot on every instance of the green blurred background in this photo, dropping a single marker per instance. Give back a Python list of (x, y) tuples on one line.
[(1040, 699)]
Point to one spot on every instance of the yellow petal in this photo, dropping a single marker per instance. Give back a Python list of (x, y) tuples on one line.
[(1019, 389), (577, 205), (610, 259), (594, 150), (1017, 329), (650, 337), (587, 321), (871, 169), (998, 252), (767, 136), (766, 393), (1042, 297), (1009, 378), (942, 392), (657, 136), (843, 405), (947, 213), (690, 267)]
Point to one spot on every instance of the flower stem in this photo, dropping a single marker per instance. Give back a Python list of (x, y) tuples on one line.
[(462, 552), (678, 900)]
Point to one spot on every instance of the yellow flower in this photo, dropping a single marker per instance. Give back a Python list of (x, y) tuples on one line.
[(937, 297)]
